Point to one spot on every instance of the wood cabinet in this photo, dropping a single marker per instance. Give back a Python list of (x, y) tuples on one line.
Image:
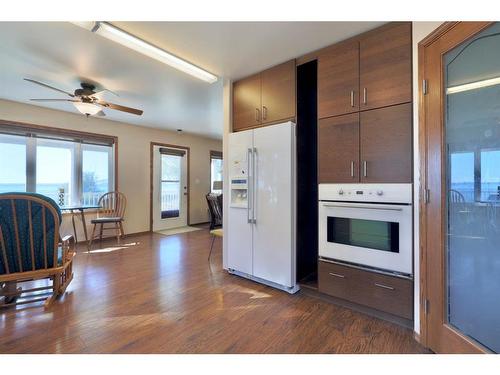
[(366, 72), (382, 292), (278, 92), (247, 103), (385, 67), (338, 149), (265, 98), (371, 146), (338, 80), (386, 144)]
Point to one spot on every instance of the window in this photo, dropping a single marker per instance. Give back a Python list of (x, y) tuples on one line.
[(216, 172), (462, 174), (12, 163), (65, 167)]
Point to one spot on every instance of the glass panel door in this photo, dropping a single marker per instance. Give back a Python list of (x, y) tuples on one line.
[(171, 188), (472, 183)]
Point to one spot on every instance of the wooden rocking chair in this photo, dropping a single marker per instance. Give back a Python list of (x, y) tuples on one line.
[(31, 249)]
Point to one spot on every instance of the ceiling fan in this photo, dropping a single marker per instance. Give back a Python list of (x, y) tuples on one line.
[(86, 100)]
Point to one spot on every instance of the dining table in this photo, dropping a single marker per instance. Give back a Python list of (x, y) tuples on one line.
[(79, 209)]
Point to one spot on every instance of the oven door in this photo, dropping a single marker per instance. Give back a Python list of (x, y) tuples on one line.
[(370, 234)]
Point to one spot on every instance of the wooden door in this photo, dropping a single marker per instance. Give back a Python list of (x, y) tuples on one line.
[(439, 232), (247, 103), (385, 66), (338, 149), (278, 92), (338, 80), (386, 144)]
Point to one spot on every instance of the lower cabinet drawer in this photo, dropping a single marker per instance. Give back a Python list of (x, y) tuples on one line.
[(385, 293)]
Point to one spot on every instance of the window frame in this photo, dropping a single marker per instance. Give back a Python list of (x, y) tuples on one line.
[(32, 132), (214, 155)]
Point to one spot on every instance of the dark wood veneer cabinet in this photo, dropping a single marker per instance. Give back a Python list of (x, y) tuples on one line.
[(278, 92), (367, 72), (386, 144), (385, 67), (338, 149), (370, 146), (247, 103), (338, 80), (390, 294), (264, 98)]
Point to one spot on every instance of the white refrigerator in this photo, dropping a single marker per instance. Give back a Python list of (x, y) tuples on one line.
[(261, 217)]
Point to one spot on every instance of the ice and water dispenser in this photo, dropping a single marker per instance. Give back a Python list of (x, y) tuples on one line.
[(239, 183)]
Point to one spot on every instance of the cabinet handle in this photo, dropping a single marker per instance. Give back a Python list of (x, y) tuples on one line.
[(257, 114), (365, 95), (384, 286), (365, 168), (352, 98), (352, 169), (264, 112), (336, 275)]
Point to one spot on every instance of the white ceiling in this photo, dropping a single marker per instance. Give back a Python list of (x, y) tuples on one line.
[(62, 55)]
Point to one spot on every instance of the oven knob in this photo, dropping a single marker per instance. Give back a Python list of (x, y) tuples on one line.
[(341, 192), (380, 192)]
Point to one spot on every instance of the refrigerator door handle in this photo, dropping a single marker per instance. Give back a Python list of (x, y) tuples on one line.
[(254, 185), (249, 185)]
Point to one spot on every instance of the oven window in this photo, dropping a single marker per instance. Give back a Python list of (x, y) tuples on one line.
[(378, 235)]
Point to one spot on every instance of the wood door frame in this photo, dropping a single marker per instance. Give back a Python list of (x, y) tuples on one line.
[(474, 28), (151, 182)]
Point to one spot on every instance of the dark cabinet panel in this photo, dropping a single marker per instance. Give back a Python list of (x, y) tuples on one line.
[(338, 149), (247, 103), (385, 67), (382, 292), (386, 144), (338, 80), (278, 92)]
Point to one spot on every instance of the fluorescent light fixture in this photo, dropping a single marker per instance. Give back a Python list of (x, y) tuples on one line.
[(117, 35), (87, 108), (473, 85)]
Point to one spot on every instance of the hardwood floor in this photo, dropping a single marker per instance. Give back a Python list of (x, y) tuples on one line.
[(160, 295)]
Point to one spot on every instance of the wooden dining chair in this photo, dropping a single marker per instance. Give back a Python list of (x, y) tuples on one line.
[(111, 211), (32, 249)]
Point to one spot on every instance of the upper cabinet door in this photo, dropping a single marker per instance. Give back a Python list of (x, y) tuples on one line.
[(247, 103), (385, 67), (278, 92), (338, 149), (386, 144), (338, 80)]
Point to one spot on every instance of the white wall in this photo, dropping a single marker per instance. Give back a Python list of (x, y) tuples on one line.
[(419, 30), (133, 158)]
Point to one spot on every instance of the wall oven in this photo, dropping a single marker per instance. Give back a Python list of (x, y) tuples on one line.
[(368, 225)]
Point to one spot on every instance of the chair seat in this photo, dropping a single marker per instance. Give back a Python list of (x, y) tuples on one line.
[(102, 220), (217, 232)]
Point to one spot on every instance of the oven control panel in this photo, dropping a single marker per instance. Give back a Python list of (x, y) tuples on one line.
[(383, 193)]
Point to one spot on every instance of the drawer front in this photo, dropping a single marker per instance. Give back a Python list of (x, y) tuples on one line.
[(385, 293)]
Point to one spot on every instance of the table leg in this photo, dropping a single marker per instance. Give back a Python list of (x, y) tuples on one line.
[(84, 223), (74, 226)]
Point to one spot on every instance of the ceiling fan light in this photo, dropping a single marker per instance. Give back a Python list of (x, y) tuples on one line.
[(87, 108)]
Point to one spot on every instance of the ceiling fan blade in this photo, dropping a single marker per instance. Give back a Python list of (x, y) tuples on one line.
[(120, 108), (53, 100), (100, 113), (49, 87), (99, 93)]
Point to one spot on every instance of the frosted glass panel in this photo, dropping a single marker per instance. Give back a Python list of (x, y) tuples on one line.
[(472, 132)]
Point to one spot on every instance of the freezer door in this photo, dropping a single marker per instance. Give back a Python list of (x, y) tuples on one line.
[(274, 214), (239, 227)]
